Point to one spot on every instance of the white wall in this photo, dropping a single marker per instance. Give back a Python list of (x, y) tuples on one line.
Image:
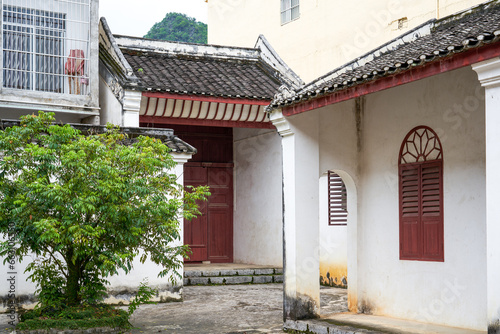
[(111, 108), (258, 219), (327, 34), (452, 292)]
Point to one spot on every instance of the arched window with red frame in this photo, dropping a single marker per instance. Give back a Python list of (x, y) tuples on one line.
[(421, 235)]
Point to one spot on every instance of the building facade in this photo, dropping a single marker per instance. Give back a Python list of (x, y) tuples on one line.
[(410, 128), (50, 59), (314, 37)]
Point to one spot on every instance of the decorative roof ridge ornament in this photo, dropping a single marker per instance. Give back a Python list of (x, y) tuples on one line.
[(285, 93)]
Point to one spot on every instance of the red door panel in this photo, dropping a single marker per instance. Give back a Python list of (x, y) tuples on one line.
[(220, 213), (210, 236), (196, 230)]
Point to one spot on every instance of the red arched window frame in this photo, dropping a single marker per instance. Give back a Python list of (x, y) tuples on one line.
[(421, 232)]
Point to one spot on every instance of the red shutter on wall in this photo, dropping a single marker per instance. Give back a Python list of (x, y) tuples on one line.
[(337, 200), (432, 211), (409, 215), (421, 235)]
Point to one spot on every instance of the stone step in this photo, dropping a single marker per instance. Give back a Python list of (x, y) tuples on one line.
[(233, 276)]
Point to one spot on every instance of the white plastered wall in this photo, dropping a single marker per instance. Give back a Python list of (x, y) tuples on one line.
[(339, 153), (327, 34), (258, 218), (451, 292), (111, 108), (365, 145)]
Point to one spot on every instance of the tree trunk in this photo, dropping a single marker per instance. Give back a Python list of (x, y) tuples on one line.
[(73, 281)]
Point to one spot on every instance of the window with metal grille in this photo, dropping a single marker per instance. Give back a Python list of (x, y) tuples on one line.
[(421, 235), (337, 200), (289, 10), (45, 45)]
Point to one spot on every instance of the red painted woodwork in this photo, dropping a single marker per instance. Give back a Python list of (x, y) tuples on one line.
[(196, 230), (157, 120), (452, 62), (421, 230), (215, 99), (210, 236)]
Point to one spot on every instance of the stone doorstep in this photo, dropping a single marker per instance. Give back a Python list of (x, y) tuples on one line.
[(317, 327), (108, 330), (232, 272), (230, 280)]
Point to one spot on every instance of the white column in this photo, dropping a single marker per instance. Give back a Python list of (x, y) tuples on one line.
[(131, 108), (300, 216), (489, 76), (181, 159)]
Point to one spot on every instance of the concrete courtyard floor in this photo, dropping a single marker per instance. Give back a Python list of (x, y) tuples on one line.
[(226, 309)]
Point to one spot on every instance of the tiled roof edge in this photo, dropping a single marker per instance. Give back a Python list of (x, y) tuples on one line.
[(326, 84), (410, 36), (271, 57), (107, 40), (190, 49)]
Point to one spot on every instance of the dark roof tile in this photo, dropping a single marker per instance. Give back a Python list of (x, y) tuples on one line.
[(431, 41), (202, 75)]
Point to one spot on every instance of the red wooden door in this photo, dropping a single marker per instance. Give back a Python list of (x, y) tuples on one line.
[(210, 236), (196, 230)]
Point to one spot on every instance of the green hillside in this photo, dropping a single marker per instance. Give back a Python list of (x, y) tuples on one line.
[(179, 28)]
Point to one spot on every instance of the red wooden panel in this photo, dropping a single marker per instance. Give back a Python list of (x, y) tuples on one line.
[(220, 213), (210, 236), (409, 235), (432, 211), (220, 242), (431, 246), (421, 211), (196, 230)]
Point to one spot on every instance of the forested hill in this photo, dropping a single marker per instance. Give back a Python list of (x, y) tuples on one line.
[(179, 27)]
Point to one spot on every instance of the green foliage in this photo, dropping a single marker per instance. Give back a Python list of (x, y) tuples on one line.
[(85, 206), (144, 294), (178, 27), (75, 318)]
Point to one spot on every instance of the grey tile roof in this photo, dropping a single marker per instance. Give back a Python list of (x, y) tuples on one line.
[(432, 41), (165, 135), (203, 75)]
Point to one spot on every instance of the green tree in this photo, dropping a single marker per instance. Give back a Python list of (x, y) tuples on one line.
[(179, 27), (87, 205)]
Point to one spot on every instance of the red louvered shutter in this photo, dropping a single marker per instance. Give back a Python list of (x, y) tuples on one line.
[(421, 235), (409, 211), (432, 211)]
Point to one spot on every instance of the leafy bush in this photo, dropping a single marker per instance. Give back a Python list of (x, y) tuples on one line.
[(85, 206)]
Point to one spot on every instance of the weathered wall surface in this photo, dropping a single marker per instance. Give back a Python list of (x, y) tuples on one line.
[(111, 108), (451, 292), (328, 33), (258, 218), (362, 140)]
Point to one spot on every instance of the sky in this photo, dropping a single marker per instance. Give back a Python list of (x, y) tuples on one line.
[(136, 17)]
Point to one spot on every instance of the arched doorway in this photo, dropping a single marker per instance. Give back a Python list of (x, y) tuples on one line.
[(338, 235)]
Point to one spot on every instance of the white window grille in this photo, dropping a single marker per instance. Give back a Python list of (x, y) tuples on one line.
[(289, 10), (46, 45)]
